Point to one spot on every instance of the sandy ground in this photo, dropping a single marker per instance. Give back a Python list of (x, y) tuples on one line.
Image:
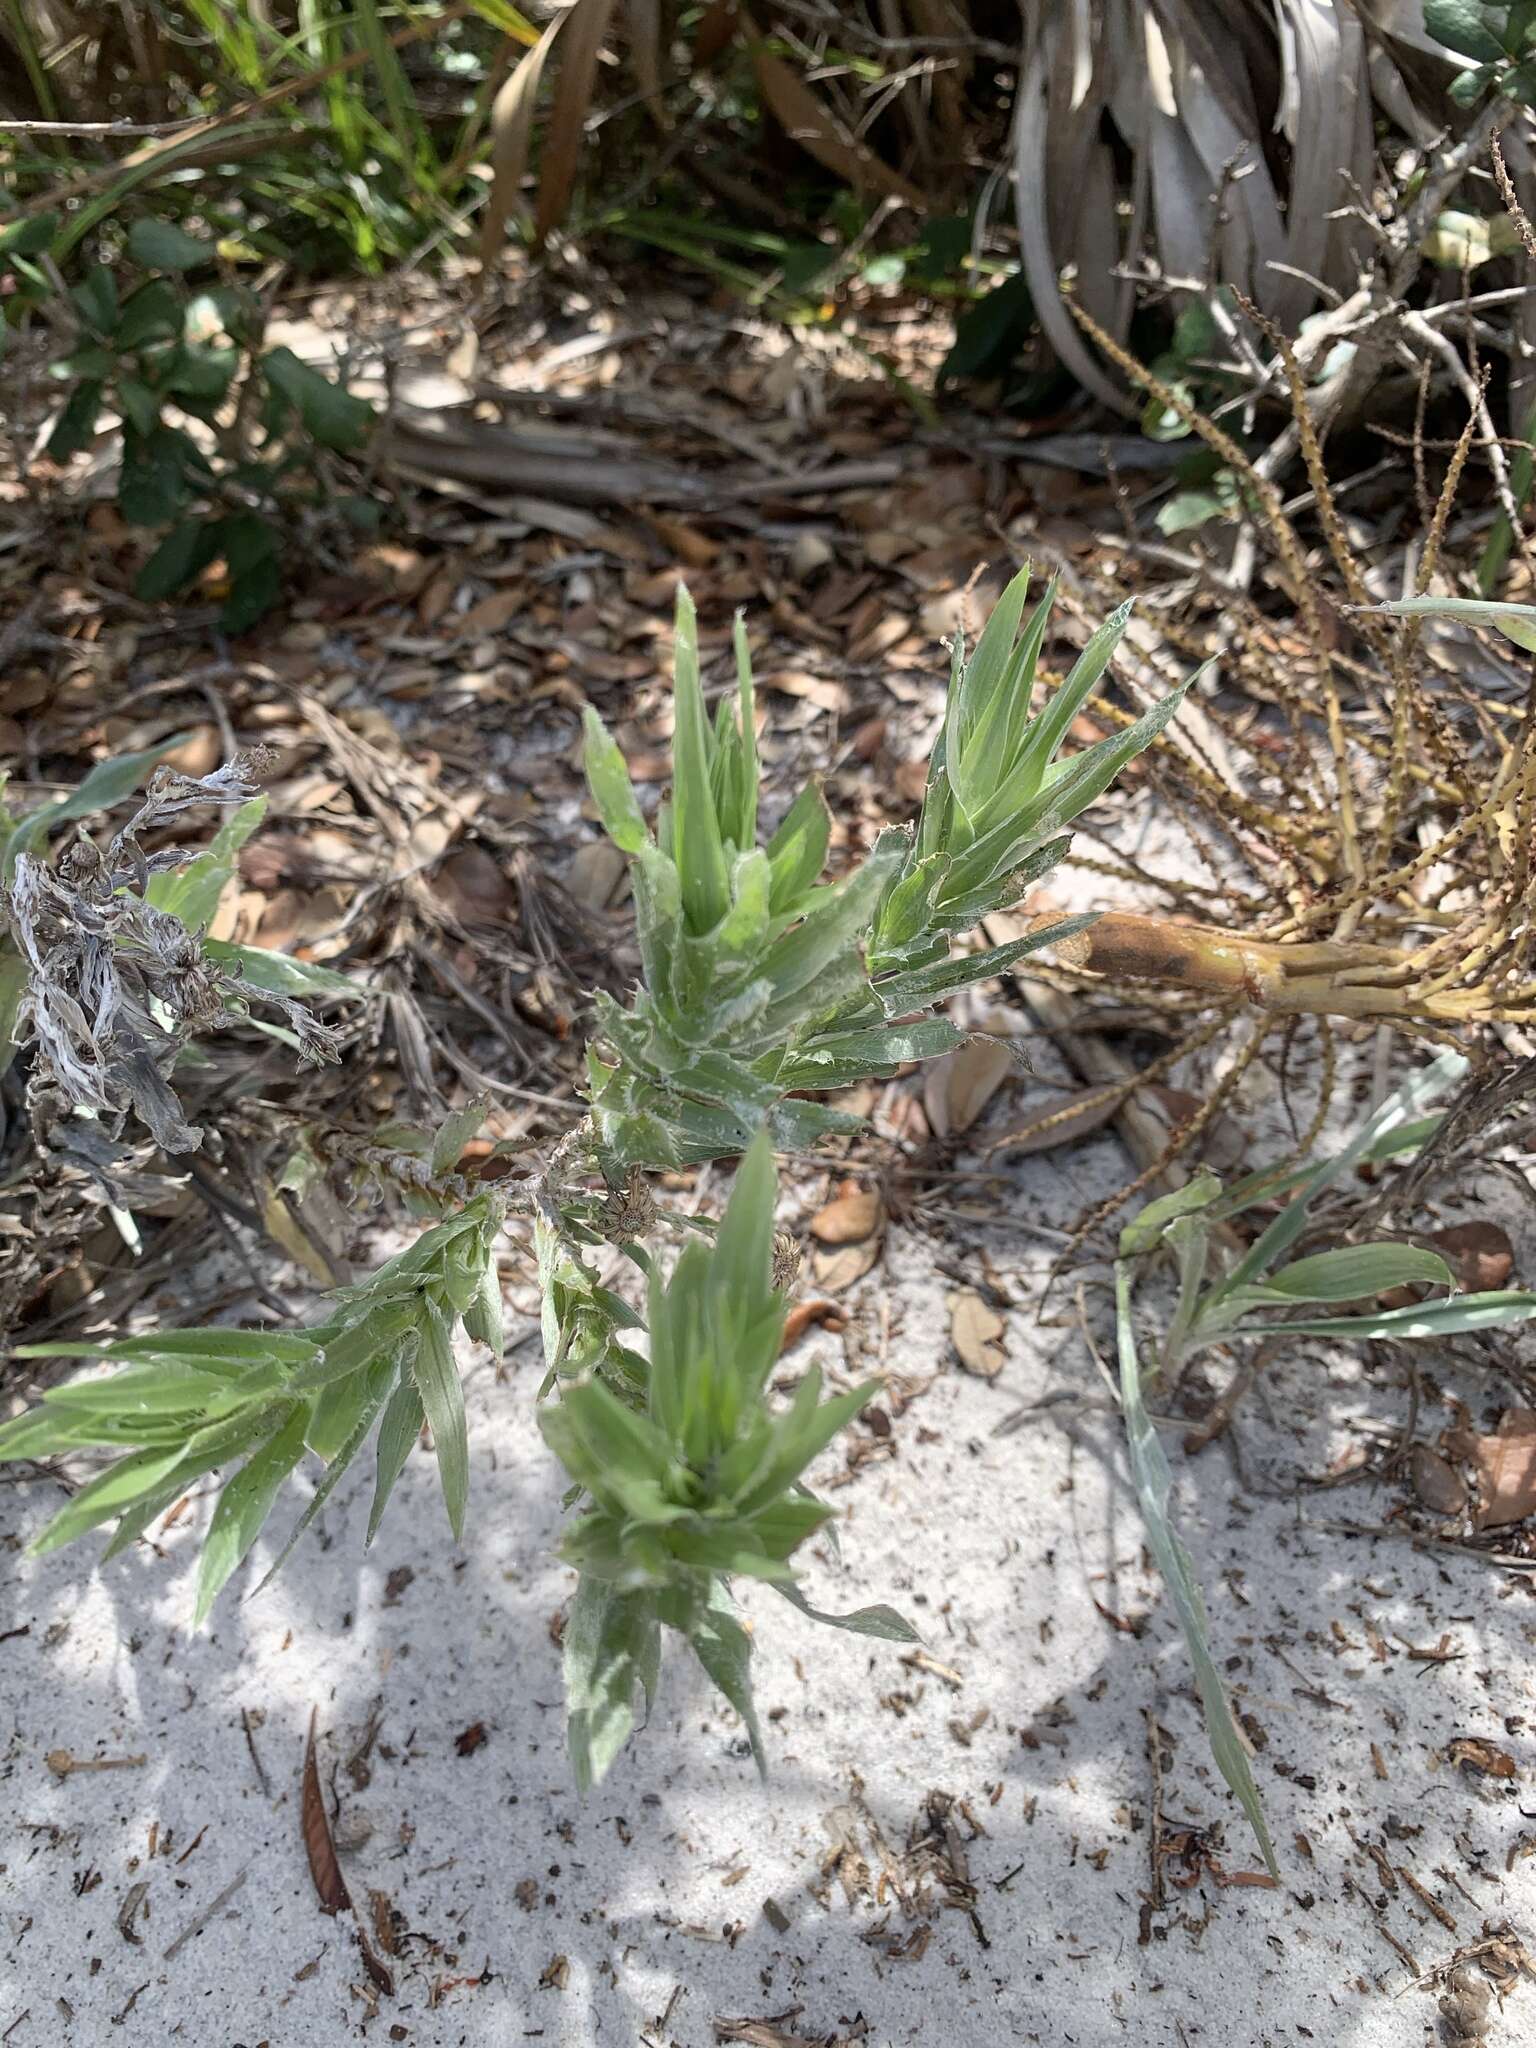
[(951, 1846), (984, 1842)]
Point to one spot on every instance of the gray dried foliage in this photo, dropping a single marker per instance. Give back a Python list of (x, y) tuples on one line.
[(116, 988)]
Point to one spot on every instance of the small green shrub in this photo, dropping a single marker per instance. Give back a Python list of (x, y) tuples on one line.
[(224, 441)]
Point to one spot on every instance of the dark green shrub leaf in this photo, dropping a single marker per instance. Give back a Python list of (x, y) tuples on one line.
[(29, 237), (197, 371), (1468, 87), (331, 415), (365, 514), (75, 426), (252, 594), (95, 298), (224, 310), (246, 539), (1464, 26), (184, 553), (989, 334), (161, 245), (153, 486), (85, 362), (152, 313), (138, 404)]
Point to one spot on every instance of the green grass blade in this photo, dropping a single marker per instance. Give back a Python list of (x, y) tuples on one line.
[(1153, 1482), (1453, 1318), (1400, 1108)]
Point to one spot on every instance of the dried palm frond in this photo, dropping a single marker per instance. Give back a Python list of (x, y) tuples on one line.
[(1200, 145)]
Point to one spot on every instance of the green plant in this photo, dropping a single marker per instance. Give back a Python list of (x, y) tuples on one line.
[(1254, 1298), (224, 442), (760, 982), (1500, 38)]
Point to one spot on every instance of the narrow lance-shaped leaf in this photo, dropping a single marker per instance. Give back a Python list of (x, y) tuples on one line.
[(981, 677), (612, 790), (879, 1621), (797, 852), (1048, 731), (1350, 1273), (611, 1647), (724, 1649), (376, 1386), (242, 1509), (105, 786), (398, 1432), (696, 841), (746, 711), (442, 1399)]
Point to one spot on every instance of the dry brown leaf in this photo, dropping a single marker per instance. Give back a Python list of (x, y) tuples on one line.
[(199, 753), (691, 547), (808, 553), (822, 691), (566, 134), (1077, 1114), (1223, 1144), (809, 121), (324, 1865), (1436, 1482), (958, 1087), (492, 614), (837, 1270), (1480, 1254), (855, 1214), (512, 113), (887, 632), (472, 888), (437, 594), (1485, 1759), (803, 1316), (976, 1331), (1505, 1464)]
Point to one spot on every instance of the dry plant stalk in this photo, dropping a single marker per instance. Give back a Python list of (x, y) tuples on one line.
[(1352, 936)]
